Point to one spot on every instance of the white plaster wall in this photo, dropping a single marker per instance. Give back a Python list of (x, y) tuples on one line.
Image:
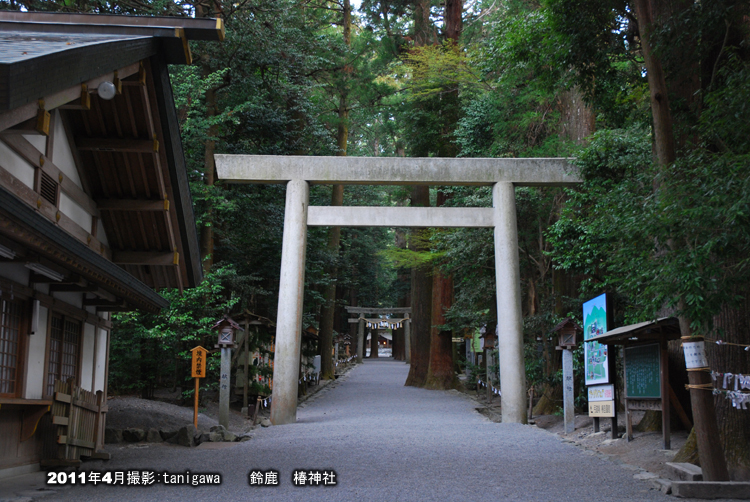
[(75, 299), (101, 234), (101, 360), (87, 356), (35, 359), (39, 141), (42, 287), (61, 153), (70, 208), (15, 272), (16, 166)]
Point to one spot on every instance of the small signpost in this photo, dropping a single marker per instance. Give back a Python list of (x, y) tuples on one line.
[(199, 371), (601, 400), (567, 331), (227, 329)]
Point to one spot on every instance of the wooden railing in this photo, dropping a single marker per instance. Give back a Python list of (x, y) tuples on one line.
[(77, 421)]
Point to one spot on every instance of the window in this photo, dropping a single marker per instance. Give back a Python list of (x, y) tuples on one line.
[(10, 347), (64, 345)]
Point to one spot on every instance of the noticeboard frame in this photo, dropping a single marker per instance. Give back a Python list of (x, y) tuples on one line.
[(657, 351)]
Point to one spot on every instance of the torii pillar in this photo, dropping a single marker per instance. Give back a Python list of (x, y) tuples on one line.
[(286, 359), (509, 317)]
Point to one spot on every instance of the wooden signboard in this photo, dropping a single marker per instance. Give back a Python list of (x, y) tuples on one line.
[(199, 362), (602, 409), (199, 371), (642, 379)]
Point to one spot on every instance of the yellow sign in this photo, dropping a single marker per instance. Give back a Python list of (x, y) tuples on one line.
[(199, 362), (602, 409)]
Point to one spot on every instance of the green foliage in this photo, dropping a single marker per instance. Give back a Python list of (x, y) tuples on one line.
[(658, 235), (150, 350)]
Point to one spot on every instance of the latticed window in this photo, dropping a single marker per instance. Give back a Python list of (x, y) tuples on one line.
[(10, 346), (65, 340)]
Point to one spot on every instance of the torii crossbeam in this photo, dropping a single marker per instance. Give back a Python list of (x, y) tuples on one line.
[(299, 172)]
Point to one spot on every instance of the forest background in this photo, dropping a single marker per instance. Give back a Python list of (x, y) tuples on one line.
[(652, 98)]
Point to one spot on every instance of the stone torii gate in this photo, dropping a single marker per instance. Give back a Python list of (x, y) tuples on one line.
[(361, 320), (299, 172)]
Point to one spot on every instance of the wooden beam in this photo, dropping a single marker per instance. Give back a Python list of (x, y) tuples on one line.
[(72, 288), (145, 258), (99, 302), (368, 310), (132, 205), (37, 126), (25, 149), (25, 112), (117, 145), (33, 199), (115, 309), (82, 103)]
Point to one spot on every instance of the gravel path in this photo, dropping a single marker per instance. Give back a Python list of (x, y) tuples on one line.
[(386, 442)]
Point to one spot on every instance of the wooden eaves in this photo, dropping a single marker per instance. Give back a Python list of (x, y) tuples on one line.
[(127, 151), (665, 328)]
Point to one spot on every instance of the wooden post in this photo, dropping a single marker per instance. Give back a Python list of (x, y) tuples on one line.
[(665, 418), (195, 407), (487, 374), (710, 452), (568, 392), (198, 371), (226, 359)]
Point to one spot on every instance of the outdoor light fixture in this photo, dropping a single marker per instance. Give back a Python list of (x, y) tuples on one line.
[(106, 90), (7, 252), (47, 272)]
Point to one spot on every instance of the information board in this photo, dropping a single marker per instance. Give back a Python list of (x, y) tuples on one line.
[(594, 324), (642, 364), (601, 393), (602, 409)]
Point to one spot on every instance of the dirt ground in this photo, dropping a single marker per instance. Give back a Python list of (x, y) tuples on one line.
[(165, 414), (133, 412), (645, 451)]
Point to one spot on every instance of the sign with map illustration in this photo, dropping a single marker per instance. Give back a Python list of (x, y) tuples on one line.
[(595, 324)]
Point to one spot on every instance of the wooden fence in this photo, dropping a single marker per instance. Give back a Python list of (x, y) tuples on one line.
[(77, 419)]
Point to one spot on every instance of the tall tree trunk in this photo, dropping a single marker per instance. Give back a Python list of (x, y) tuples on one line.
[(421, 301), (453, 16), (440, 374), (647, 12), (423, 29), (421, 278), (328, 309), (732, 325), (402, 278), (206, 243), (207, 229)]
